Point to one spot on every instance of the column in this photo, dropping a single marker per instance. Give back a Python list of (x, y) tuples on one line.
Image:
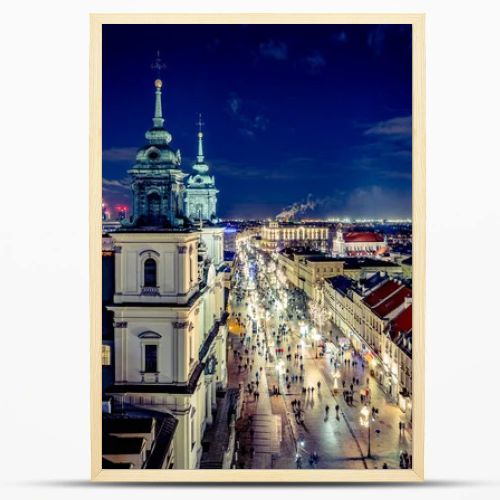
[(118, 269), (120, 332), (182, 444), (181, 354), (181, 267)]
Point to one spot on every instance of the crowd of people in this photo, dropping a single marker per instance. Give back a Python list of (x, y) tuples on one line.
[(271, 333)]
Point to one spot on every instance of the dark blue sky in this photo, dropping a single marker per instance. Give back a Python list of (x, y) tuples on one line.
[(291, 111)]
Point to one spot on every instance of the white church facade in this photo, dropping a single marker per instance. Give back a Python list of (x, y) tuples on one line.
[(168, 303)]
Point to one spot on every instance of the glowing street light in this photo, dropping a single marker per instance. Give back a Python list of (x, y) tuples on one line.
[(280, 367), (336, 378), (365, 420)]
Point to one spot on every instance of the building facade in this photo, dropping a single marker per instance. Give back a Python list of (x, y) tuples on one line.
[(278, 235), (375, 315), (359, 243), (168, 304)]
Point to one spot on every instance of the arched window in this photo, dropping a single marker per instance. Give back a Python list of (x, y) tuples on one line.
[(150, 272), (154, 207)]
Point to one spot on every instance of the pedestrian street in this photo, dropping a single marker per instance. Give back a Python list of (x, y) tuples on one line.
[(312, 424)]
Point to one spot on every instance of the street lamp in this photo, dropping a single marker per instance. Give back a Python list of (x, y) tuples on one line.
[(365, 421), (336, 377)]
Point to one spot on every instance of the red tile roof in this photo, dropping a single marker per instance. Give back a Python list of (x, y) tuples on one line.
[(402, 323), (393, 302), (366, 237), (381, 293)]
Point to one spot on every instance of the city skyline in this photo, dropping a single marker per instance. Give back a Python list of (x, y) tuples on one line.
[(286, 120), (257, 346)]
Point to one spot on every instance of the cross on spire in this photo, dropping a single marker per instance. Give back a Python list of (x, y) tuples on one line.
[(158, 64), (199, 123), (200, 156)]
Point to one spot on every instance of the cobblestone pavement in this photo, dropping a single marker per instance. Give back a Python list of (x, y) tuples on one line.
[(339, 439)]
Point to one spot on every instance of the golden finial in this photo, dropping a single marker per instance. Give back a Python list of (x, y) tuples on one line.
[(158, 83)]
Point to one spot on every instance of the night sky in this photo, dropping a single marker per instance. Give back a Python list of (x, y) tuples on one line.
[(291, 112)]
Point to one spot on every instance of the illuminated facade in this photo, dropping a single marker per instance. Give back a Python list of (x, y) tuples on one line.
[(279, 235), (201, 193), (359, 243), (375, 314), (168, 303)]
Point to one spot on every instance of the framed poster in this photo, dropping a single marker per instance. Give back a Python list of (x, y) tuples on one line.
[(257, 230)]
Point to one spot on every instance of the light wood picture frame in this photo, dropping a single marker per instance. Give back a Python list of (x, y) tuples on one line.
[(416, 473)]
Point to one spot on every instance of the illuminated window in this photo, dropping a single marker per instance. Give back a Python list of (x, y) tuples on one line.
[(150, 272), (106, 355)]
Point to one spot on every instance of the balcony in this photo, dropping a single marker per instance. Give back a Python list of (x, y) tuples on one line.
[(150, 291), (150, 377)]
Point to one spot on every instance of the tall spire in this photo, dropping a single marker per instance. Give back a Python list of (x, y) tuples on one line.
[(158, 65), (158, 118), (201, 156)]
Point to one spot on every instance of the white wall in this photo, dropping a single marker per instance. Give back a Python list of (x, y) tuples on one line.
[(177, 268)]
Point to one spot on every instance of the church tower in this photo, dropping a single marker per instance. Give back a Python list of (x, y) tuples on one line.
[(157, 178), (201, 193), (169, 330)]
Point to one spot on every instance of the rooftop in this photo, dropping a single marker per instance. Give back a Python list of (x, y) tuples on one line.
[(112, 445), (393, 302), (363, 237), (381, 293), (373, 280), (340, 283), (407, 261), (165, 435), (402, 323), (323, 258), (360, 262), (124, 425)]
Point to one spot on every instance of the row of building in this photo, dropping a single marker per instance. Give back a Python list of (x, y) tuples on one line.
[(375, 315), (368, 299), (275, 236)]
